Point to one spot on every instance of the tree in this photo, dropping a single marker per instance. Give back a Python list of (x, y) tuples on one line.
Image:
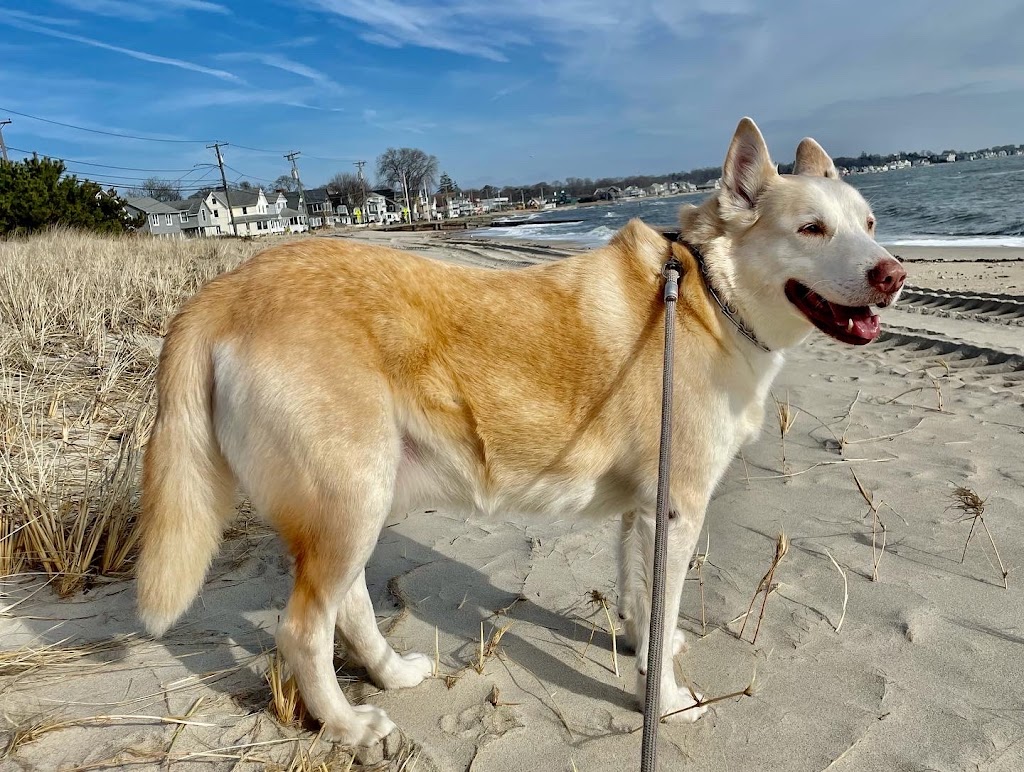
[(161, 190), (448, 187), (35, 194), (349, 186), (286, 182), (406, 169)]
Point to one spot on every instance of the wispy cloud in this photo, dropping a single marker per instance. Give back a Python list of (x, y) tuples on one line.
[(194, 99), (141, 55), (455, 29), (283, 63), (36, 18), (140, 11)]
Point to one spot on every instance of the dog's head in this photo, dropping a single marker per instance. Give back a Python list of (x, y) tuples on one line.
[(794, 251)]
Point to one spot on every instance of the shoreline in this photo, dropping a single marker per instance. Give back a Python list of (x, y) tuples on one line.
[(987, 269)]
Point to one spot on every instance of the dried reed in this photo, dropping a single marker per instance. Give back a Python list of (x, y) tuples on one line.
[(765, 585), (973, 508)]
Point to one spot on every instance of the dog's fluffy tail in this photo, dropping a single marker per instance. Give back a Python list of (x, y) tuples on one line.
[(187, 487)]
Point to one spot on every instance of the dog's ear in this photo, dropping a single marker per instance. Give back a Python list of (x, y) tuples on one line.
[(812, 160), (748, 167)]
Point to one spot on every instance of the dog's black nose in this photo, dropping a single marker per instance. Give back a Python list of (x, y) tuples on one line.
[(887, 276)]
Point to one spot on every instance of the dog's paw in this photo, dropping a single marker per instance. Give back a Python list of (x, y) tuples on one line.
[(679, 705), (404, 670), (368, 726)]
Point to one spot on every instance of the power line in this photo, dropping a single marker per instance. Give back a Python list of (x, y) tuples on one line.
[(283, 152), (91, 163), (100, 131), (250, 176)]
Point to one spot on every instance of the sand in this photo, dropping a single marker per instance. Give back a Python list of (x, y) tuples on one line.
[(925, 672)]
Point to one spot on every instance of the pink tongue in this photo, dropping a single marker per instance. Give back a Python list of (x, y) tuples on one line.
[(865, 325)]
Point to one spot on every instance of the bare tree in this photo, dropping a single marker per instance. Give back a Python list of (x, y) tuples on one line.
[(286, 182), (349, 186), (161, 190), (407, 168)]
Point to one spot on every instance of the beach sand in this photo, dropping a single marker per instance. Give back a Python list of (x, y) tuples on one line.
[(924, 673)]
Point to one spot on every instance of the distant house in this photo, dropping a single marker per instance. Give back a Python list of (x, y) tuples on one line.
[(319, 209), (715, 184), (494, 204), (375, 208), (195, 218), (249, 211), (161, 219), (609, 193), (633, 192)]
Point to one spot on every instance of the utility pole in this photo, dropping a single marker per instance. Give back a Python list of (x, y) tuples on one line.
[(362, 186), (302, 194), (3, 147), (223, 179)]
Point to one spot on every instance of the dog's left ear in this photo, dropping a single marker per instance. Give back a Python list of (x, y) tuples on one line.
[(812, 160), (748, 167)]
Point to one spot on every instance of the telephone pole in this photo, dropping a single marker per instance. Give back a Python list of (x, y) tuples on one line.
[(3, 147), (223, 179), (302, 194), (362, 186)]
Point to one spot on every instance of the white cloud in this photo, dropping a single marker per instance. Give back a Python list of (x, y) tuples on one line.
[(141, 55), (123, 9), (283, 63)]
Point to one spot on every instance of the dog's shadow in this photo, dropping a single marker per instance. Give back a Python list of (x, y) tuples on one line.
[(224, 638)]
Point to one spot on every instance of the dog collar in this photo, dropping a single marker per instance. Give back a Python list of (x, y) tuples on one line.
[(729, 311)]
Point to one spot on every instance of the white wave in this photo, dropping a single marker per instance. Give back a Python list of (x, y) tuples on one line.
[(955, 241)]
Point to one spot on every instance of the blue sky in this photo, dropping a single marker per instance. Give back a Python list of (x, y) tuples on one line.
[(502, 92)]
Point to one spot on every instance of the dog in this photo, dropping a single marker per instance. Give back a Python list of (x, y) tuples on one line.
[(339, 383)]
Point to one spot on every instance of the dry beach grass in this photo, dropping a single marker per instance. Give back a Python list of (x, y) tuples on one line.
[(874, 668), (80, 320)]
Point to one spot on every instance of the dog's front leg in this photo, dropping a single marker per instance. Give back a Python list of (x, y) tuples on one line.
[(637, 573), (634, 543)]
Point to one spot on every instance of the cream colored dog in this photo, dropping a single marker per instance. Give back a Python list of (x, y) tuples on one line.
[(339, 383)]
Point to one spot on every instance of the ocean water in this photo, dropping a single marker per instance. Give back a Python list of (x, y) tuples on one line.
[(968, 203)]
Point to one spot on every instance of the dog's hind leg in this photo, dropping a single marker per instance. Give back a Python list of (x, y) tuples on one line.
[(331, 537), (358, 626), (637, 540), (324, 577)]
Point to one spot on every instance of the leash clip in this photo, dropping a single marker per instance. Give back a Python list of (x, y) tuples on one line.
[(671, 272)]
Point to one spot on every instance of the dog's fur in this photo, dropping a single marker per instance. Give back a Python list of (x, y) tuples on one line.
[(339, 383)]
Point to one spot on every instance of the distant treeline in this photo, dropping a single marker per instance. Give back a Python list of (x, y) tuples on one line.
[(585, 186)]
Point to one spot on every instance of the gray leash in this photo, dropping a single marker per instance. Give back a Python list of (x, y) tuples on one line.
[(656, 639)]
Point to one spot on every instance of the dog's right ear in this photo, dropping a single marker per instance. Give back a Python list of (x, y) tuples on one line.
[(811, 159), (748, 167)]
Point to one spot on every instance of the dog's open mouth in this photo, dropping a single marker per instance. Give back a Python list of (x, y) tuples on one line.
[(850, 324)]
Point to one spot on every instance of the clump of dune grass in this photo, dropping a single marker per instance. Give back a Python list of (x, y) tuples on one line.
[(765, 585), (972, 507), (285, 701), (81, 319), (489, 646), (787, 417)]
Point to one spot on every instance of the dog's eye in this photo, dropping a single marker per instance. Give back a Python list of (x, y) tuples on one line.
[(871, 223), (812, 229)]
